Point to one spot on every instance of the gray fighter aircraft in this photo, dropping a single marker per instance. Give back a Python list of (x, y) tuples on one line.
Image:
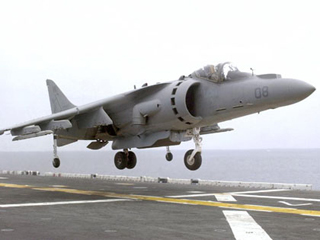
[(164, 114)]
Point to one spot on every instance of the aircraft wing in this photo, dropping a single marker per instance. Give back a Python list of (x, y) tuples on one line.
[(88, 116), (57, 121), (63, 115)]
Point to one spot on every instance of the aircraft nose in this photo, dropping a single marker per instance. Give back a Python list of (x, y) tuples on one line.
[(300, 90)]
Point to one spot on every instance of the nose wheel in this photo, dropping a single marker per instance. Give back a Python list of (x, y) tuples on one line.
[(192, 158), (192, 163)]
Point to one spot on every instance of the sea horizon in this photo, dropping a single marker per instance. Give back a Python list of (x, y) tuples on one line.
[(276, 165)]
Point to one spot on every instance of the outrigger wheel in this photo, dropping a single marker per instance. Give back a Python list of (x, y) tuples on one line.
[(169, 155), (56, 162)]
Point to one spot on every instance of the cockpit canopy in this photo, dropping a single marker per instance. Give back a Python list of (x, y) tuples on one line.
[(217, 74)]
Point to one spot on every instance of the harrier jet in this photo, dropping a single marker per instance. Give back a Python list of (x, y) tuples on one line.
[(164, 114)]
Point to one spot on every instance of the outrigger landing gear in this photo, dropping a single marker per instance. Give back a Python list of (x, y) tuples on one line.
[(125, 159), (56, 160), (192, 158), (169, 155)]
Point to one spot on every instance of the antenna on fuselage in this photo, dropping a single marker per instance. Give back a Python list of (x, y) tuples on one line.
[(252, 70)]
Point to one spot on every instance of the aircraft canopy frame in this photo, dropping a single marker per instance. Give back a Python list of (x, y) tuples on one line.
[(215, 73)]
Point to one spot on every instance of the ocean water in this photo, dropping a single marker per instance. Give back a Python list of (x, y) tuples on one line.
[(281, 166)]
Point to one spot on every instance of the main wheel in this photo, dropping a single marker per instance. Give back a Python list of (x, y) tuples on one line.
[(132, 160), (56, 162), (194, 163), (169, 156), (120, 160)]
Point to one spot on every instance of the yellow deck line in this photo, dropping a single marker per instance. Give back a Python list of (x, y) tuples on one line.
[(171, 200), (9, 185)]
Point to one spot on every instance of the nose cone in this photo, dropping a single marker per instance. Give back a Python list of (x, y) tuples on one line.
[(287, 91), (299, 90)]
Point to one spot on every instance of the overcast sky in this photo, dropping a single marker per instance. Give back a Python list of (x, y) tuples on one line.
[(95, 49)]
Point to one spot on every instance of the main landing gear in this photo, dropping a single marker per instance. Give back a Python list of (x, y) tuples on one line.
[(125, 159)]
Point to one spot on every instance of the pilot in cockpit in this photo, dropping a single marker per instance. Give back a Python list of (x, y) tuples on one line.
[(217, 74)]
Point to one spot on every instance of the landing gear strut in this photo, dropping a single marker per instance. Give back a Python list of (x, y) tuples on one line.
[(56, 160), (125, 159), (192, 158)]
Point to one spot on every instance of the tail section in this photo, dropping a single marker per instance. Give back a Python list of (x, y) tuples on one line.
[(59, 102)]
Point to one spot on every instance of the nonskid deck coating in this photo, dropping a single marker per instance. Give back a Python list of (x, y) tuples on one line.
[(34, 207)]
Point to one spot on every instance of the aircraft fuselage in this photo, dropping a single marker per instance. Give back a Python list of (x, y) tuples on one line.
[(190, 103)]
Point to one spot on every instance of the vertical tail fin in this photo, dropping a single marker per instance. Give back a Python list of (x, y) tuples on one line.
[(59, 102)]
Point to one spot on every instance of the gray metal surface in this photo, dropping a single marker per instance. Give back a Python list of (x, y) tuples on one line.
[(35, 207), (163, 114)]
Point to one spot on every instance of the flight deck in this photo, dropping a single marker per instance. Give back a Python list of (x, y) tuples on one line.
[(60, 206)]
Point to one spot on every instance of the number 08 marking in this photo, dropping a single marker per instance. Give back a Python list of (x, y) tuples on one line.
[(262, 92)]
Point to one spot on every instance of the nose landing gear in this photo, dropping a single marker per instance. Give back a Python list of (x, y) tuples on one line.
[(192, 158)]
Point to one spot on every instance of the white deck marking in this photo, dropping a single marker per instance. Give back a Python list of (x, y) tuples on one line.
[(308, 215), (295, 205), (225, 198), (195, 192), (193, 195), (278, 197), (125, 184), (59, 186), (60, 203), (244, 227), (261, 191), (229, 193)]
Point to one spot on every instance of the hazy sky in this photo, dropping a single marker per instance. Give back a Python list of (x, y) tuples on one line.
[(95, 49)]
